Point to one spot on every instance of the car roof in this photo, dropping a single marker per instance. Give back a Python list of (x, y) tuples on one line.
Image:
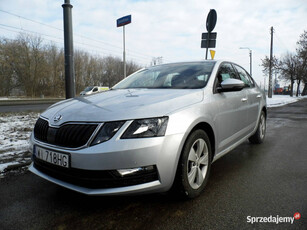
[(188, 62), (217, 61)]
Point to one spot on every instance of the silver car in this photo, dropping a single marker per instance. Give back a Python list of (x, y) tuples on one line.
[(160, 128)]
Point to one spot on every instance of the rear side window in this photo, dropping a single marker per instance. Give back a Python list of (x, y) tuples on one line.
[(244, 76)]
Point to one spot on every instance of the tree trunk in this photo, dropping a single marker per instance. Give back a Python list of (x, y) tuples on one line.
[(305, 89), (298, 87), (291, 90)]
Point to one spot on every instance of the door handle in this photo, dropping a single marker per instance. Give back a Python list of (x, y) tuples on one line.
[(244, 99), (259, 96)]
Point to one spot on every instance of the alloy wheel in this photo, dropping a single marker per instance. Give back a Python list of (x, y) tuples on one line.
[(197, 163)]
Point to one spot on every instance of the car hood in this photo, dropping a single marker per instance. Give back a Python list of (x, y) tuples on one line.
[(122, 104)]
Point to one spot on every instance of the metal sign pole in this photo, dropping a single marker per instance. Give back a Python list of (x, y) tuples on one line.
[(124, 54), (208, 40), (122, 22)]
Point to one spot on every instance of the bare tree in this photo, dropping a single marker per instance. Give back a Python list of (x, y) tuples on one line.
[(266, 64), (55, 62), (132, 67), (6, 75), (35, 68), (26, 59), (113, 70), (81, 60), (292, 66), (302, 54), (288, 67)]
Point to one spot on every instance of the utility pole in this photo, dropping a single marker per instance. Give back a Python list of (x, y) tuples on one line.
[(69, 51), (271, 62)]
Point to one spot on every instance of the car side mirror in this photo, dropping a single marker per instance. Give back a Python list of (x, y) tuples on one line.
[(231, 84)]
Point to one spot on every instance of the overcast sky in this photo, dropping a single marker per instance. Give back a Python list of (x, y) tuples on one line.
[(167, 28)]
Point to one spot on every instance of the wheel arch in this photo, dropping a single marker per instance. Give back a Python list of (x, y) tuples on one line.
[(209, 131), (264, 109), (207, 128)]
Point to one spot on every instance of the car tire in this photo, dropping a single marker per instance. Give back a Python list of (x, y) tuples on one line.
[(194, 165), (259, 135)]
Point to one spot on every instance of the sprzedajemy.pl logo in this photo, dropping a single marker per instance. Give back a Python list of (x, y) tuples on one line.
[(273, 219)]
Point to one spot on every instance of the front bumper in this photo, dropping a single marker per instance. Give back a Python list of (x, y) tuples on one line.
[(93, 163)]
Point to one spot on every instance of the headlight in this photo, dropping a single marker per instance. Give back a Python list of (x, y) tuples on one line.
[(107, 131), (152, 127)]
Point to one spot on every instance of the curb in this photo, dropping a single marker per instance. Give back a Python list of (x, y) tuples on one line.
[(29, 102), (13, 167)]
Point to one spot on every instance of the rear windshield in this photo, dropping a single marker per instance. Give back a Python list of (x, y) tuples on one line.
[(174, 76)]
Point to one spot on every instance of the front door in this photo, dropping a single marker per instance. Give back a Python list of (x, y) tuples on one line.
[(231, 115)]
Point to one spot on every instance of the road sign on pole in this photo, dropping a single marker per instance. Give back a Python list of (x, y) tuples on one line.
[(212, 52), (211, 36), (211, 20), (209, 39), (122, 22), (208, 43)]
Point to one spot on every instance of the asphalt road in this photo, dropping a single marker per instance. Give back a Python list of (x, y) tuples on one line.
[(24, 108), (27, 105), (253, 180)]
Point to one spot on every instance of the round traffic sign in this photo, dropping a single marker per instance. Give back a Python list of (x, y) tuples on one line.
[(211, 20)]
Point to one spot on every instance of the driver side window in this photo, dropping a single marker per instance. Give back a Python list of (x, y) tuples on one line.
[(225, 71)]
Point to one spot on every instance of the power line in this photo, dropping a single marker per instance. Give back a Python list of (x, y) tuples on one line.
[(13, 27), (98, 49), (118, 53), (281, 42), (78, 35), (19, 16)]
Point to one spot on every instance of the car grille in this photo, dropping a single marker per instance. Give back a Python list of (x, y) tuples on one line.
[(95, 179), (68, 135)]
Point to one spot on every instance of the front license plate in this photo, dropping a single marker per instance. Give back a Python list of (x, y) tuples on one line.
[(52, 157)]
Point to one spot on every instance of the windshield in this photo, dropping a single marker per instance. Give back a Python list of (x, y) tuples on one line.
[(88, 88), (174, 76)]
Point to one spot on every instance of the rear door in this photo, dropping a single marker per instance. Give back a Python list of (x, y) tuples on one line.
[(253, 98)]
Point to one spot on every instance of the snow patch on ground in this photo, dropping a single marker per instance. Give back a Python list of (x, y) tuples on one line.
[(280, 100), (9, 98), (15, 130)]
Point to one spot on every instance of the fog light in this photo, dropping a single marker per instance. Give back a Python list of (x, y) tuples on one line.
[(135, 171)]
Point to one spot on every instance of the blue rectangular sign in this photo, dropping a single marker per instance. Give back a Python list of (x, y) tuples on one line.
[(124, 21)]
